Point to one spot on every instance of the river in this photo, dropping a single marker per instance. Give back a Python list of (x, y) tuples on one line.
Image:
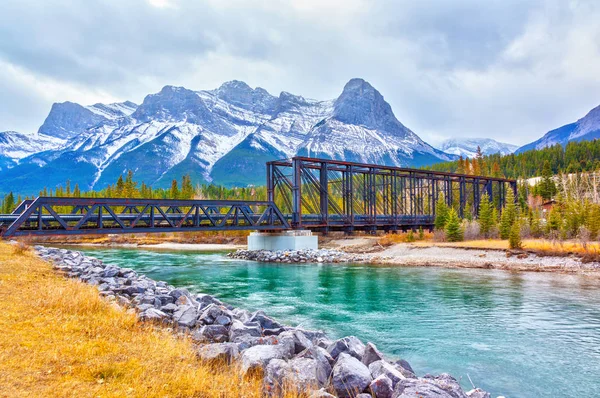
[(513, 334)]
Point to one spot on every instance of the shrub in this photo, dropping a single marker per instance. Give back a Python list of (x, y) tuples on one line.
[(410, 236), (421, 233), (471, 230), (454, 231)]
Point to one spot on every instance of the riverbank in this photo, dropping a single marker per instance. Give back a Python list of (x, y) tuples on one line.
[(59, 338), (285, 355), (428, 254)]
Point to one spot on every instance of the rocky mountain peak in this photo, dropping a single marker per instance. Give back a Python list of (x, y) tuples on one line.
[(173, 104), (241, 94), (68, 119), (360, 103)]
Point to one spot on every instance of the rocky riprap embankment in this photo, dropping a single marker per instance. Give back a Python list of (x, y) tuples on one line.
[(285, 356), (298, 256)]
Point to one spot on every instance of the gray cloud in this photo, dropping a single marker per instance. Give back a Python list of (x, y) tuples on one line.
[(509, 70)]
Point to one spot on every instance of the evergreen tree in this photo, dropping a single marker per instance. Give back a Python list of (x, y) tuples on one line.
[(76, 191), (509, 214), (187, 189), (535, 224), (486, 214), (593, 221), (441, 213), (514, 238), (120, 188), (9, 203), (174, 191), (554, 220), (454, 232), (547, 187)]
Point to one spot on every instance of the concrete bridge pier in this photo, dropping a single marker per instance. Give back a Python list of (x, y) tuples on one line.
[(286, 240)]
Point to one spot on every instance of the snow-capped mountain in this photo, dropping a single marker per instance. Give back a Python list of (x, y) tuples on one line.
[(223, 136), (16, 146), (586, 128), (467, 147)]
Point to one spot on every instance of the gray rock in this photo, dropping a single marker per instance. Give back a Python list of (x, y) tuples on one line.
[(153, 315), (204, 300), (171, 307), (381, 387), (322, 393), (211, 313), (371, 354), (110, 271), (238, 330), (275, 378), (223, 320), (382, 367), (211, 333), (442, 386), (245, 342), (166, 299), (186, 316), (405, 365), (264, 321), (350, 376), (364, 395), (478, 393), (301, 343), (350, 345), (305, 371), (259, 356), (176, 293), (225, 352)]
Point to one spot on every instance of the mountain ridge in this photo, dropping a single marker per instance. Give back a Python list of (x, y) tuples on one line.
[(223, 135), (586, 128), (467, 147)]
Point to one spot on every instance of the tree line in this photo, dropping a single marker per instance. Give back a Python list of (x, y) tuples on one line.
[(575, 157)]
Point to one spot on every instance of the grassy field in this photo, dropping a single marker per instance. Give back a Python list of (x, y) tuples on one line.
[(58, 338)]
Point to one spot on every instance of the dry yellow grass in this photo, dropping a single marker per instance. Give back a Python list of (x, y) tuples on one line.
[(58, 338)]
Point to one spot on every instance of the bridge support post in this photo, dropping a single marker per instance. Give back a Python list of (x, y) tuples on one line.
[(288, 240)]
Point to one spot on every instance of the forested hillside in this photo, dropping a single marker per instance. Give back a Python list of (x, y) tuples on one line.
[(575, 157)]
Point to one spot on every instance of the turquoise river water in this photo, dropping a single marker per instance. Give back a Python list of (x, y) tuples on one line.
[(513, 334)]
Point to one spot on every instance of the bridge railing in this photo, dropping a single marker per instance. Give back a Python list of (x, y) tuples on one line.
[(64, 216)]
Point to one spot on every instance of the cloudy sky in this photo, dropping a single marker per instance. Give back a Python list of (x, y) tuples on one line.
[(505, 69)]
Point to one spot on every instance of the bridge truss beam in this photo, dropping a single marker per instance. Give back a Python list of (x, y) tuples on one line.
[(77, 216), (326, 195)]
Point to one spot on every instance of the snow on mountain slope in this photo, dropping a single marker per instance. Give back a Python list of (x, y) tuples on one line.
[(17, 146), (223, 136), (467, 147), (586, 128)]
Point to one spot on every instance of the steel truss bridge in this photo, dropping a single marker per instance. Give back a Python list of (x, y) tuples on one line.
[(303, 193)]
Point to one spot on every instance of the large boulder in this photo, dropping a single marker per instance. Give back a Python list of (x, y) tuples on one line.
[(371, 354), (322, 393), (258, 357), (238, 331), (301, 342), (153, 315), (442, 386), (224, 352), (350, 377), (186, 316), (478, 393), (303, 374), (210, 314), (264, 321), (350, 345), (381, 367), (381, 387), (211, 333)]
